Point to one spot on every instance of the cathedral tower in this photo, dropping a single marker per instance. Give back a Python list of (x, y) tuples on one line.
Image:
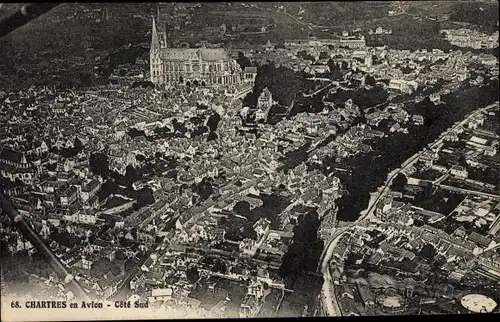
[(155, 64)]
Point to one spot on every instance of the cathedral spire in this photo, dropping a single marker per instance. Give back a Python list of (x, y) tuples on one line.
[(154, 35)]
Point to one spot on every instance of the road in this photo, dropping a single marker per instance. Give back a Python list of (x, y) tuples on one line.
[(468, 191), (328, 288), (320, 79), (319, 90)]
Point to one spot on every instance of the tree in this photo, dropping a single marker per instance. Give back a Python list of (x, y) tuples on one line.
[(305, 249), (302, 54), (133, 132), (399, 182), (145, 197), (64, 238), (103, 266), (192, 274), (323, 55), (209, 260), (140, 158), (204, 189), (219, 266), (18, 182), (284, 83), (213, 121), (370, 80), (130, 174), (242, 60), (428, 252), (212, 136), (335, 72), (99, 164), (248, 231), (280, 44), (78, 144), (462, 160), (242, 208), (130, 265), (426, 193), (108, 188)]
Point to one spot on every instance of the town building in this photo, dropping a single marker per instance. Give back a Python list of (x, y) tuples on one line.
[(459, 171), (14, 165), (402, 85), (264, 103)]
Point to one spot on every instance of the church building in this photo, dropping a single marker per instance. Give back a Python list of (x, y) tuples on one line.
[(192, 66)]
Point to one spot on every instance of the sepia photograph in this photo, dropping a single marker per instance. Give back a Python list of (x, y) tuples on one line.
[(213, 160)]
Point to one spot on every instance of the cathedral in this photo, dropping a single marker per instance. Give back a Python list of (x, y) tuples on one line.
[(192, 66)]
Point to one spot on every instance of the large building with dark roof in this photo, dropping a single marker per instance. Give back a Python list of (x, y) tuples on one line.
[(14, 165), (193, 66)]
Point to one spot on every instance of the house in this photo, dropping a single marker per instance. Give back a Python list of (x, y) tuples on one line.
[(268, 46), (373, 119), (459, 171), (428, 158), (13, 158), (38, 148), (250, 73), (252, 300), (147, 236), (417, 119), (160, 294), (87, 261), (264, 103), (480, 240), (148, 264), (14, 165), (345, 291), (261, 227), (68, 196), (490, 151), (82, 217), (98, 245), (132, 251), (395, 127), (366, 295), (404, 86), (317, 69), (109, 253), (247, 247), (348, 307), (375, 258), (91, 203), (107, 287), (384, 205), (340, 250), (90, 190), (476, 121)]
